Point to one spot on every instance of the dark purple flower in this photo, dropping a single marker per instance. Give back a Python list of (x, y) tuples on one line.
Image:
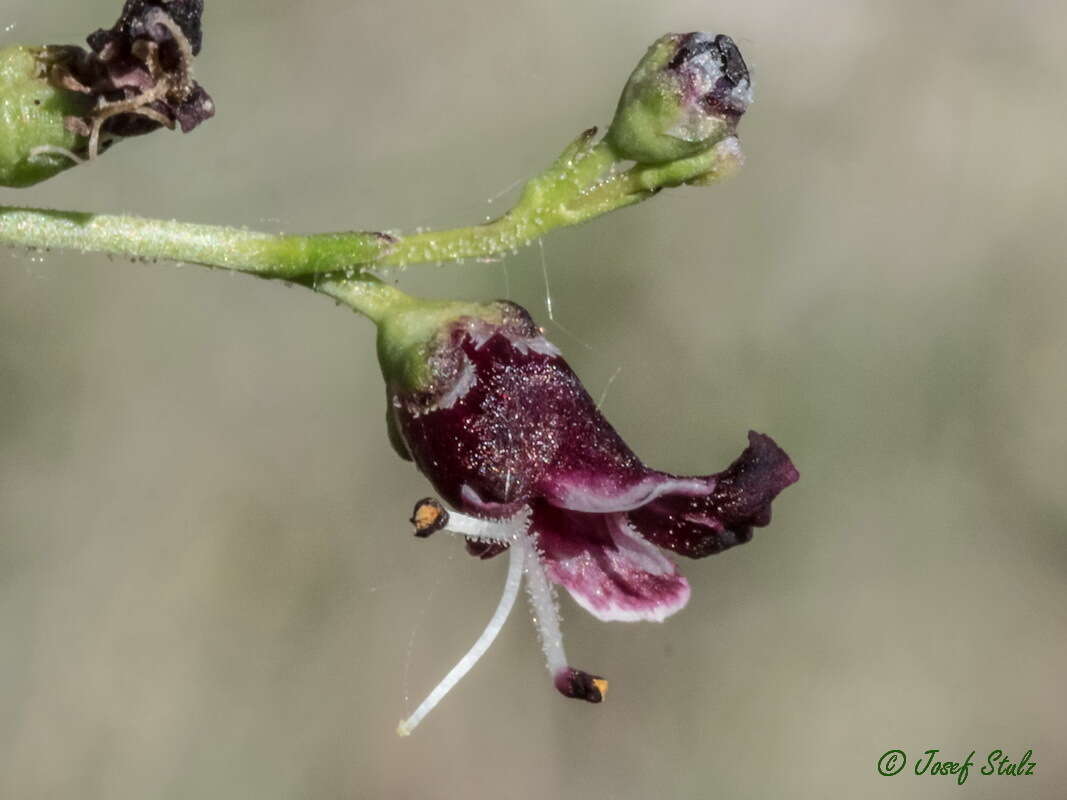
[(509, 437)]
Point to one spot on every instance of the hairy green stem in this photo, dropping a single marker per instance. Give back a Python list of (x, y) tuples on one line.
[(583, 183), (580, 186), (369, 295), (265, 254)]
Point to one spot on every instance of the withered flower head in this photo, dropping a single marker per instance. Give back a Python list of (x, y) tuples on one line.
[(140, 72), (63, 104)]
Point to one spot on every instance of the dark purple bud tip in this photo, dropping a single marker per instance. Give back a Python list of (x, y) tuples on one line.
[(428, 517), (692, 45), (715, 68), (580, 685), (733, 66), (723, 50)]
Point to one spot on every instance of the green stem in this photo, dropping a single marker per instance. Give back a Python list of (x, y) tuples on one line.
[(578, 187), (265, 254), (370, 296), (582, 184), (553, 199)]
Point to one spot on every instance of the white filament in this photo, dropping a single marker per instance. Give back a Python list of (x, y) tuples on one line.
[(545, 613), (489, 530), (512, 531)]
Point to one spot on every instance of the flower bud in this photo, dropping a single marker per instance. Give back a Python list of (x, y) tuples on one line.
[(686, 94)]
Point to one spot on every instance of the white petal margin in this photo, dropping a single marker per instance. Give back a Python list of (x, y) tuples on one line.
[(594, 494)]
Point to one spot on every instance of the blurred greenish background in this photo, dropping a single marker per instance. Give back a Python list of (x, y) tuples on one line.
[(208, 587)]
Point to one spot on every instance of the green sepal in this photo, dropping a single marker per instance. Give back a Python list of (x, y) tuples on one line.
[(392, 429), (651, 112), (32, 115), (409, 335)]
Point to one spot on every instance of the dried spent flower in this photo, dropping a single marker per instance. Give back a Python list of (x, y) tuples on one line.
[(63, 105), (139, 72)]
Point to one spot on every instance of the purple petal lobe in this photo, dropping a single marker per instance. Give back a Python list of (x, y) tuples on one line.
[(608, 569), (741, 500)]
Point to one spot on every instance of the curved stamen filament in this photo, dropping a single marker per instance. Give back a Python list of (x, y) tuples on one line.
[(517, 555)]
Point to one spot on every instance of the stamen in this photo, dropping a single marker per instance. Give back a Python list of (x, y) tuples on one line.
[(429, 517), (568, 681), (545, 615), (517, 556)]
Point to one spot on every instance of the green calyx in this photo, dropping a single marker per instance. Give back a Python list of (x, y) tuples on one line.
[(35, 143), (412, 349), (411, 335), (652, 123)]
